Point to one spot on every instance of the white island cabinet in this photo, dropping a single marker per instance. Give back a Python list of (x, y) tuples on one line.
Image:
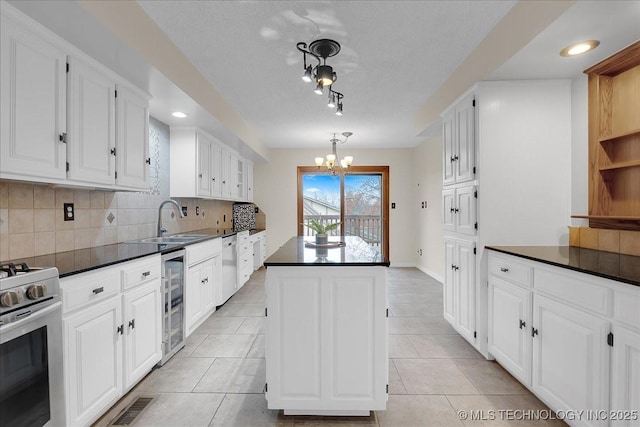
[(326, 329)]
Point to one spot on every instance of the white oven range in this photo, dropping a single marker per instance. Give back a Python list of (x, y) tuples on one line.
[(31, 380)]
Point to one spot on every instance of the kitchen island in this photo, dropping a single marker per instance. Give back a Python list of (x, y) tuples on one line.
[(326, 337)]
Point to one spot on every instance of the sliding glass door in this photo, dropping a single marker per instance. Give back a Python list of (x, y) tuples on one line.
[(357, 199)]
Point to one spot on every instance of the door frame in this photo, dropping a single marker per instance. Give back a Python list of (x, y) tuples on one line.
[(353, 170)]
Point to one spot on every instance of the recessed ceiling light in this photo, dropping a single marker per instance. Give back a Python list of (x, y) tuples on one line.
[(179, 114), (579, 48)]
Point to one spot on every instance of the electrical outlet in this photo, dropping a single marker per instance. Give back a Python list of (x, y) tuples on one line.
[(197, 210), (422, 205), (69, 213), (184, 210), (393, 205)]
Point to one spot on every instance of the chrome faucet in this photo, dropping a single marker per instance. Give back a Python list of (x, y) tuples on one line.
[(161, 229)]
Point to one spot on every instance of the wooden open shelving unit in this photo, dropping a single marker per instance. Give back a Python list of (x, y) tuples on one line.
[(614, 141)]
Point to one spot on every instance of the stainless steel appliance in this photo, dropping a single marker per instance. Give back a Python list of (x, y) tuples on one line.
[(31, 381), (173, 318), (229, 269)]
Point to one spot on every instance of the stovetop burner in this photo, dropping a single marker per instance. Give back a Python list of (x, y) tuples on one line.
[(12, 269)]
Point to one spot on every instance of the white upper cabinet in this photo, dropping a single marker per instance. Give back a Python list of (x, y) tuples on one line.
[(91, 139), (60, 120), (458, 137), (216, 171), (132, 138), (32, 102), (204, 180), (219, 171), (249, 178)]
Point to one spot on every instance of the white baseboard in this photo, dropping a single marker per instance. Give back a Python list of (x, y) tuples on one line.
[(403, 264), (431, 273)]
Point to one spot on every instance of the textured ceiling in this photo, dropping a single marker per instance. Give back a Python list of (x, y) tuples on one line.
[(394, 56)]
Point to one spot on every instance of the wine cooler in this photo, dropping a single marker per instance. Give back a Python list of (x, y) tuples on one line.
[(173, 317)]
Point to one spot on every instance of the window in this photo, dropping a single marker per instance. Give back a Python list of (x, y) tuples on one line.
[(359, 199)]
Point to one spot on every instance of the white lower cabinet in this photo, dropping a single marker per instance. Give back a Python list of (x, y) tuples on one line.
[(570, 358), (111, 322), (625, 375), (572, 338), (200, 290), (92, 361), (509, 321), (245, 257), (459, 286), (204, 280), (143, 332)]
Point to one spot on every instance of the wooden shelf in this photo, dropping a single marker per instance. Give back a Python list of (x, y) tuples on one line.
[(618, 222), (613, 217), (620, 165), (613, 138)]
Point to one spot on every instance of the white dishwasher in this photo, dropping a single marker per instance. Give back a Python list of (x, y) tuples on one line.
[(229, 269)]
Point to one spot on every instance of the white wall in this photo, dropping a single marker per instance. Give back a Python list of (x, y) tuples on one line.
[(579, 148), (275, 192), (428, 171)]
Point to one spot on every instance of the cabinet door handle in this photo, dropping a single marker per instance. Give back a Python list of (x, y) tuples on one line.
[(452, 210), (455, 157), (63, 137), (205, 280), (213, 179), (504, 269), (132, 323), (148, 161), (534, 332), (522, 324), (146, 274), (113, 151), (120, 329), (224, 182), (456, 210), (199, 175), (98, 290)]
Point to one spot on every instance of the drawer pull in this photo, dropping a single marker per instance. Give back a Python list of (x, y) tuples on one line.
[(146, 274), (504, 269), (522, 324), (99, 290)]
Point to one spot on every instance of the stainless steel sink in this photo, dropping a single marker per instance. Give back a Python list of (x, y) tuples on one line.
[(177, 238)]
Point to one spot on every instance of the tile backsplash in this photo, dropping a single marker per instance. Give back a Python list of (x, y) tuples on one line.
[(32, 221), (620, 241)]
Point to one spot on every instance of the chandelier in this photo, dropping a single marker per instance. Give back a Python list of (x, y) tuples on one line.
[(331, 165), (322, 74)]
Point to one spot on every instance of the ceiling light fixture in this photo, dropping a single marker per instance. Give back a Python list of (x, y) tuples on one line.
[(579, 48), (322, 73), (331, 165), (179, 114)]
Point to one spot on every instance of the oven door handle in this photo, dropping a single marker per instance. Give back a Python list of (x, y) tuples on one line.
[(33, 316)]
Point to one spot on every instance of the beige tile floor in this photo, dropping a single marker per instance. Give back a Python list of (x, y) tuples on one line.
[(218, 378)]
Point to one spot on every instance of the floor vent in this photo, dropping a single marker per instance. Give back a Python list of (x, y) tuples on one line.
[(130, 414)]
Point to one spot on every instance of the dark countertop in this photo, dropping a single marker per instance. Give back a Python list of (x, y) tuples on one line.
[(82, 260), (356, 252), (619, 267)]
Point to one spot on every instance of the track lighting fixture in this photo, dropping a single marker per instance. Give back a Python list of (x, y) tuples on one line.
[(322, 73), (344, 163)]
